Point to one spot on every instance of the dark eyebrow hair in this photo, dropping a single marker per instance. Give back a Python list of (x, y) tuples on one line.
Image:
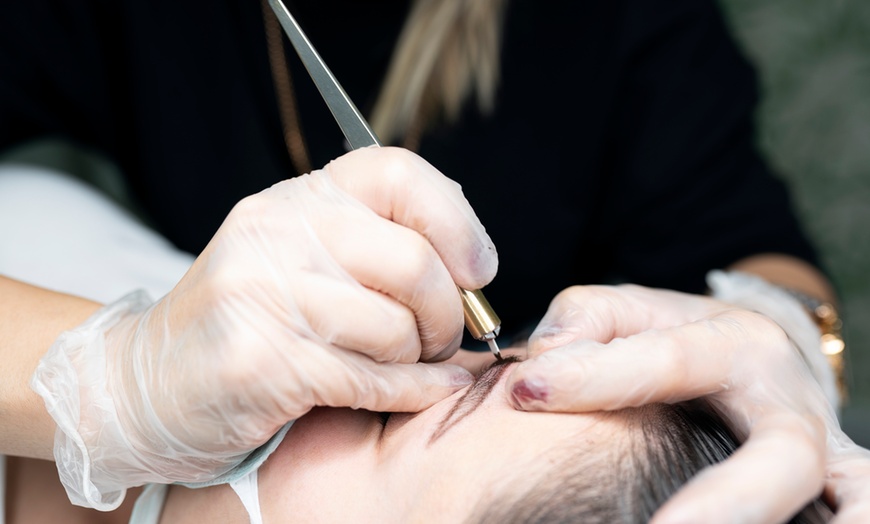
[(473, 397)]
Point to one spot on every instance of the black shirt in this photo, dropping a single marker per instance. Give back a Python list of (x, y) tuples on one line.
[(621, 147)]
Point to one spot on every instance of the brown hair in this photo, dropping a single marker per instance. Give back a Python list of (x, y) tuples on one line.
[(667, 445), (448, 50)]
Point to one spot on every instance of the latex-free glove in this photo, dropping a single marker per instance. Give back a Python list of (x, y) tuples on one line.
[(324, 290), (606, 348)]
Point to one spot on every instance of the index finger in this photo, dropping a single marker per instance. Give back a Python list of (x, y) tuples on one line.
[(668, 365), (603, 313), (402, 187)]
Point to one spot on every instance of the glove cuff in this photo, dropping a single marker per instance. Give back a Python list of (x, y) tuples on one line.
[(71, 378), (756, 294)]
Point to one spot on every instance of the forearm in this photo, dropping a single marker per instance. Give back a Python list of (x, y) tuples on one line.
[(31, 318), (790, 272)]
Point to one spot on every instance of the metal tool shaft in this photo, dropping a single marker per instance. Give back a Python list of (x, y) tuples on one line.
[(355, 128), (480, 318)]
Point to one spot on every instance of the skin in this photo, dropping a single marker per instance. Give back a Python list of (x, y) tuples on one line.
[(30, 319), (35, 495), (342, 465), (789, 272)]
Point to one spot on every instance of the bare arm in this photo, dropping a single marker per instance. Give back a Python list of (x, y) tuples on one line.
[(784, 270), (31, 318)]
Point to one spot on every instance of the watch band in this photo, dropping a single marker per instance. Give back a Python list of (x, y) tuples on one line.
[(827, 319)]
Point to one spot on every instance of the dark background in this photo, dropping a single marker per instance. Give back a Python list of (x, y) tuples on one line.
[(813, 59)]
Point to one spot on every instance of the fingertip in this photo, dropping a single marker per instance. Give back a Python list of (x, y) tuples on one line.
[(476, 268), (413, 387), (527, 391), (484, 261), (453, 376), (529, 394)]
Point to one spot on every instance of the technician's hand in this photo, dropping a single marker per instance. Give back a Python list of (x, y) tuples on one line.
[(606, 348), (324, 290)]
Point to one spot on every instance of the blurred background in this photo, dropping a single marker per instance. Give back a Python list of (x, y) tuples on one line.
[(813, 61)]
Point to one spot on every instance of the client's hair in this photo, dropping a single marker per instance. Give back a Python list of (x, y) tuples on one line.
[(665, 447)]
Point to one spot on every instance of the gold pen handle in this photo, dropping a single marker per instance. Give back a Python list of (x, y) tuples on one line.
[(480, 319)]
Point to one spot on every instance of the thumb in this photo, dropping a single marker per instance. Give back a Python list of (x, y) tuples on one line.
[(399, 387)]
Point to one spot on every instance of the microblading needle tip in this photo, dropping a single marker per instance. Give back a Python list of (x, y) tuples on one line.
[(494, 347)]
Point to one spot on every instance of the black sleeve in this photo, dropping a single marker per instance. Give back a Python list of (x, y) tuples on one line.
[(701, 197)]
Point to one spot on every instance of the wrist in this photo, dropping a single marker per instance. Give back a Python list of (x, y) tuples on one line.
[(826, 317), (781, 305), (32, 318)]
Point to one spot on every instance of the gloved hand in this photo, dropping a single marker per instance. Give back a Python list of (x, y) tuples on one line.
[(606, 348), (324, 290)]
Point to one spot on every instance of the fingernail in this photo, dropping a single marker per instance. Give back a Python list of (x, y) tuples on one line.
[(528, 391), (551, 336), (460, 377)]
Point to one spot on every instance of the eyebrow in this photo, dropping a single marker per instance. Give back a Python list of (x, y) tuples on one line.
[(473, 398)]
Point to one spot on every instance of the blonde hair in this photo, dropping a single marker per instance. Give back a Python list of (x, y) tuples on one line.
[(447, 50)]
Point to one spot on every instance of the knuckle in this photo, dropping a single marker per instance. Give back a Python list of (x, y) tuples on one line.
[(585, 295), (759, 330), (249, 207), (397, 166), (769, 335), (416, 260), (398, 344), (225, 283), (569, 294)]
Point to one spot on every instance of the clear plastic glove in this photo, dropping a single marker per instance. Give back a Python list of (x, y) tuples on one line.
[(324, 290), (606, 348)]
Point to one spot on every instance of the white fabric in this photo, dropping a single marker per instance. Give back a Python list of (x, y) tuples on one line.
[(62, 234), (248, 491), (149, 505), (756, 294)]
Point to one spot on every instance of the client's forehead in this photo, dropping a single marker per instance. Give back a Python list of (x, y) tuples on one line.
[(484, 453), (494, 452)]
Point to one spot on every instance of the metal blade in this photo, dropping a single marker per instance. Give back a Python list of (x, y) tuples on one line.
[(356, 130)]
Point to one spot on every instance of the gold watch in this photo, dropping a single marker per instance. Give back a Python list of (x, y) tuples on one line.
[(826, 317)]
